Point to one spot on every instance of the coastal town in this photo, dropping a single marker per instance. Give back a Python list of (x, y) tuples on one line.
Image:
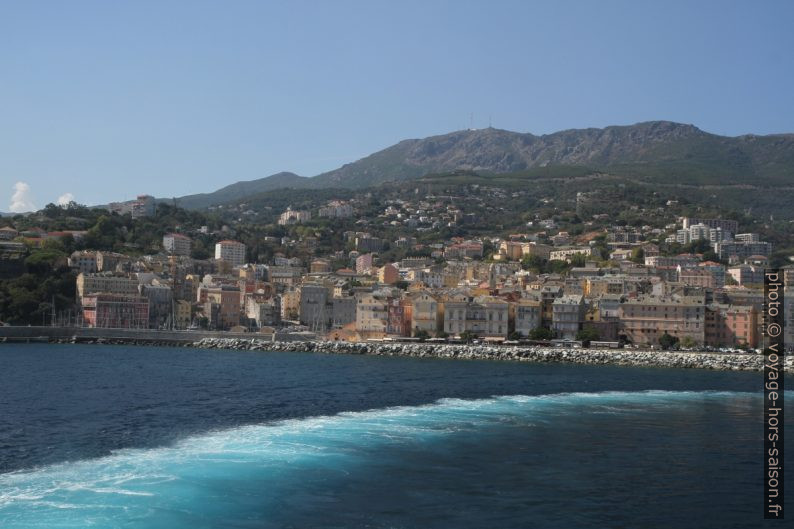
[(609, 285)]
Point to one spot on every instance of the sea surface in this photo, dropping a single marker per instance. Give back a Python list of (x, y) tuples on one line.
[(146, 437)]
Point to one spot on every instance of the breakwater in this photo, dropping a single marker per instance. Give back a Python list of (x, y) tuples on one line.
[(624, 357)]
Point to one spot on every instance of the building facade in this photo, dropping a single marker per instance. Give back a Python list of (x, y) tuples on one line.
[(232, 252), (177, 244)]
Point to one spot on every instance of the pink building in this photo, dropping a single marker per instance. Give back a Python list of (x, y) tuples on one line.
[(399, 318), (116, 311), (364, 264)]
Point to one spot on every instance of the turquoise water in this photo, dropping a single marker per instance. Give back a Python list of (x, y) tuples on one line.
[(608, 458)]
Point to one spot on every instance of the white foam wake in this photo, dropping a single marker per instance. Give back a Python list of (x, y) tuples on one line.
[(142, 484)]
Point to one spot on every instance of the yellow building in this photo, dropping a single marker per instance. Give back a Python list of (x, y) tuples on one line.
[(388, 274), (183, 314), (372, 315), (290, 305), (425, 314)]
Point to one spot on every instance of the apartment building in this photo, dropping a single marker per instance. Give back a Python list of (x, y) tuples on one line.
[(425, 315), (730, 226), (372, 314), (600, 286), (737, 251), (717, 270), (183, 314), (368, 243), (232, 252), (364, 264), (535, 249), (343, 311), (294, 216), (284, 275), (462, 250), (177, 244), (106, 283), (143, 206), (112, 262), (568, 313), (115, 311), (388, 274), (565, 254), (527, 316), (160, 298), (337, 209), (696, 277), (732, 326), (511, 250), (222, 305), (320, 266), (746, 274), (83, 262), (399, 317), (484, 316), (290, 304), (645, 319), (263, 309), (683, 260), (314, 311)]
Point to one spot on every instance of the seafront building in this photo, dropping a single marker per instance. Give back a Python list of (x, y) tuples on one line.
[(645, 319), (627, 289), (114, 311)]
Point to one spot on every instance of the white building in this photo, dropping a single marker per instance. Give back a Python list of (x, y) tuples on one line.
[(232, 252), (336, 209), (568, 315), (527, 316), (294, 216), (84, 262), (565, 254)]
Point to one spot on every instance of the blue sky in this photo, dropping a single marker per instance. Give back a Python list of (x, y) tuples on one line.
[(106, 100)]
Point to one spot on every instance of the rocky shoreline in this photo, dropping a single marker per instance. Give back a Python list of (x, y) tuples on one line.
[(622, 357)]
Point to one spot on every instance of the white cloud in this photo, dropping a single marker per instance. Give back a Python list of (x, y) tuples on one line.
[(21, 200), (64, 199)]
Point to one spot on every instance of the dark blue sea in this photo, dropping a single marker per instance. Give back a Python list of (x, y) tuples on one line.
[(145, 437)]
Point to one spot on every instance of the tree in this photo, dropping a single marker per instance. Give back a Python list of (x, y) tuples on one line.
[(515, 335), (421, 334), (541, 333), (588, 334), (468, 336), (688, 342), (668, 341), (578, 260), (534, 263), (638, 255)]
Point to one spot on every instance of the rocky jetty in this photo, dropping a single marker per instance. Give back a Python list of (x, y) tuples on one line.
[(624, 357)]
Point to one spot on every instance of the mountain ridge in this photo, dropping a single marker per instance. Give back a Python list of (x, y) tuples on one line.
[(240, 190), (654, 150)]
